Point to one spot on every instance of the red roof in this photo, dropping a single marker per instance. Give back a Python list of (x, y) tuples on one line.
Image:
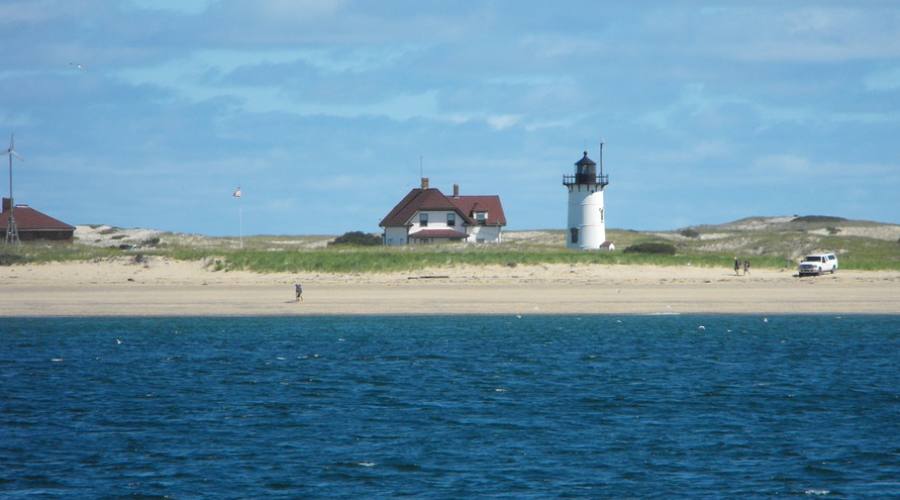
[(432, 199), (438, 233), (29, 219), (420, 199), (488, 203)]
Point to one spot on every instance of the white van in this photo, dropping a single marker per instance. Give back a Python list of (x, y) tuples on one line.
[(818, 263)]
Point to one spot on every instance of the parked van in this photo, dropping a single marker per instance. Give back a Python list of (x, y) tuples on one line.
[(817, 264)]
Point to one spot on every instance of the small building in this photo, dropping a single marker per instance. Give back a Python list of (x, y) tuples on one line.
[(425, 215), (35, 225)]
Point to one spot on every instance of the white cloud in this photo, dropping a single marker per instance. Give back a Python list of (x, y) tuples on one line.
[(500, 122), (778, 32)]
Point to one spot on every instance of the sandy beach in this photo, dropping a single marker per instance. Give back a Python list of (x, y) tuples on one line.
[(163, 287)]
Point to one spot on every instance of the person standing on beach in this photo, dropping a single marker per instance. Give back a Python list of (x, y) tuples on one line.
[(298, 290), (737, 266), (746, 267)]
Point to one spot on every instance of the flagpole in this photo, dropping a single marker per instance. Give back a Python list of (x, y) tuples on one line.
[(238, 194)]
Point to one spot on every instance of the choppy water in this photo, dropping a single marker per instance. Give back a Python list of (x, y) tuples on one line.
[(451, 407)]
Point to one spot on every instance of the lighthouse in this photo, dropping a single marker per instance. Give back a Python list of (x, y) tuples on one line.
[(587, 220)]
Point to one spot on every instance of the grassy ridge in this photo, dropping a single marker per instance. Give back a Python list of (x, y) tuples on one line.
[(777, 247), (382, 259)]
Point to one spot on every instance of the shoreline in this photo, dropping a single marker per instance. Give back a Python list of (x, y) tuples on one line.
[(167, 288)]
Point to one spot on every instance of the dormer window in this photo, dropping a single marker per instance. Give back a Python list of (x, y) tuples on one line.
[(451, 219), (423, 219), (481, 218)]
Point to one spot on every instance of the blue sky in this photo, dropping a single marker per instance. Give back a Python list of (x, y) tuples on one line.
[(321, 109)]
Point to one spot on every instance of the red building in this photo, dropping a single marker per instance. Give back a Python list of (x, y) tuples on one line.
[(35, 225)]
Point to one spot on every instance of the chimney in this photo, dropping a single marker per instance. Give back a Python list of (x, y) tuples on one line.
[(424, 182), (456, 190), (6, 203)]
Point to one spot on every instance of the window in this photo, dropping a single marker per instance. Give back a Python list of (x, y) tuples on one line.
[(601, 215), (574, 232), (423, 219), (481, 218), (451, 219)]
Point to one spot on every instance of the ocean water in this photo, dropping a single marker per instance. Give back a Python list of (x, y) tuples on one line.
[(451, 407)]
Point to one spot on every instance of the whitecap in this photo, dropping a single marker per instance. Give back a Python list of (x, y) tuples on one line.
[(701, 328), (816, 492), (280, 358), (57, 360), (366, 464)]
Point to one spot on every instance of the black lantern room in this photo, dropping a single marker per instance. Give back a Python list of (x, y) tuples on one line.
[(586, 173)]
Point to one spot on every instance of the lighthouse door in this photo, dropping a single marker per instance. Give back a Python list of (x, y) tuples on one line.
[(574, 232)]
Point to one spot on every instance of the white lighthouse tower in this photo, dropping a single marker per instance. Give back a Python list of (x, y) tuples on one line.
[(587, 220)]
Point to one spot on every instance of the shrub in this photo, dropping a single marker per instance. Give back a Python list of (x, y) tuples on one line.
[(358, 238), (818, 218), (689, 233), (652, 247), (8, 259), (833, 230)]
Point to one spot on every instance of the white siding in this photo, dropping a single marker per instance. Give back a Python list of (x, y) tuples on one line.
[(586, 213), (436, 220), (395, 236), (484, 234)]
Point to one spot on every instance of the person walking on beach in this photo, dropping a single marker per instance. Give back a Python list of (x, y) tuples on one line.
[(746, 267), (298, 290), (737, 266)]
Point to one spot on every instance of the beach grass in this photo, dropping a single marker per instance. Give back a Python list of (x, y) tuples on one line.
[(710, 247)]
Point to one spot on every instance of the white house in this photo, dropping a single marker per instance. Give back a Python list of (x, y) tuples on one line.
[(425, 215), (586, 213)]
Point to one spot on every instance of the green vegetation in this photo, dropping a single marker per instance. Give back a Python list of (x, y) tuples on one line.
[(53, 252), (386, 259), (357, 238), (818, 218), (859, 245), (689, 233), (653, 247)]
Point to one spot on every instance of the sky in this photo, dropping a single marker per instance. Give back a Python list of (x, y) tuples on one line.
[(143, 113)]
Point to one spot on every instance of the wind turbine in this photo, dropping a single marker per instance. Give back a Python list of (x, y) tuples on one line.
[(12, 232)]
